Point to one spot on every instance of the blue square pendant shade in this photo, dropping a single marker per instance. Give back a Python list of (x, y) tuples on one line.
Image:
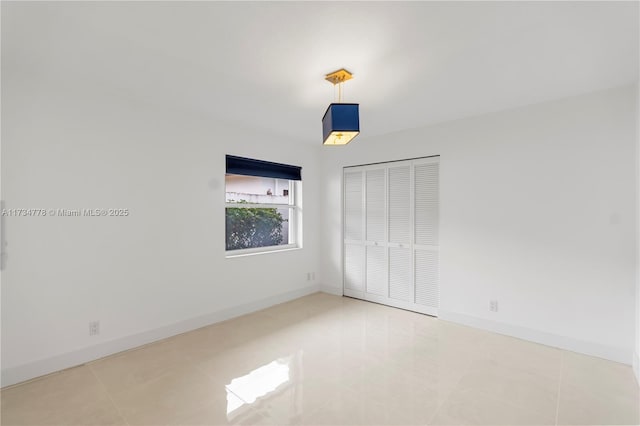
[(340, 124)]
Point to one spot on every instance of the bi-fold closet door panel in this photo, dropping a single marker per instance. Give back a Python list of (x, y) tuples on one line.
[(426, 236), (400, 230), (354, 251), (391, 233), (376, 232)]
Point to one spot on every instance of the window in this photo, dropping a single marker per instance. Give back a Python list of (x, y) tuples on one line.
[(262, 208)]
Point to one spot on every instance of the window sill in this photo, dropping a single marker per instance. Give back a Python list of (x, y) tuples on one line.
[(260, 250)]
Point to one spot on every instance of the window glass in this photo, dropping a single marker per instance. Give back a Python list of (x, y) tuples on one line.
[(252, 227), (258, 190), (259, 212)]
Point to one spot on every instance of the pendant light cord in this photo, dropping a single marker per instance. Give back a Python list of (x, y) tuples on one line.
[(339, 86)]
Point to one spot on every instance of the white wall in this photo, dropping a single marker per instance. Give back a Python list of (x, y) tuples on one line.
[(159, 271), (537, 211)]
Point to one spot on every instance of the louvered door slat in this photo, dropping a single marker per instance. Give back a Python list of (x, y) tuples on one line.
[(354, 267), (427, 277), (376, 271), (353, 206), (375, 205), (399, 204), (426, 204), (400, 280)]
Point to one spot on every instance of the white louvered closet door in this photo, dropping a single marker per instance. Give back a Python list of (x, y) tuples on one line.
[(400, 262), (391, 219), (376, 230), (354, 251), (426, 244)]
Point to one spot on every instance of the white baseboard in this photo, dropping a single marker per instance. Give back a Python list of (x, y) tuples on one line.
[(612, 353), (337, 291), (636, 366), (49, 365)]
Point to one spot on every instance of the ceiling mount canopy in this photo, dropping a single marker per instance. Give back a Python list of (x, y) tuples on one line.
[(341, 121), (339, 76)]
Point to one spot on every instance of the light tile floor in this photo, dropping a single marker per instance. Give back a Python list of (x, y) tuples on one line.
[(324, 359)]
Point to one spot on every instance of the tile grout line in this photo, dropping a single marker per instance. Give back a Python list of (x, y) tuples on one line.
[(559, 385), (106, 391)]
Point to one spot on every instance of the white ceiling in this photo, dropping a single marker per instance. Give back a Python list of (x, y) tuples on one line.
[(262, 64)]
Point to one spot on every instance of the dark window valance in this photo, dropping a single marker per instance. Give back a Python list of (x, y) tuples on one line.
[(250, 167)]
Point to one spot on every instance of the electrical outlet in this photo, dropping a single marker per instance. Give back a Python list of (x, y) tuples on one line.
[(493, 305), (94, 328), (308, 276)]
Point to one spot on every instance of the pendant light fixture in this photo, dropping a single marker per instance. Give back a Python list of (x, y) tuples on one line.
[(341, 122)]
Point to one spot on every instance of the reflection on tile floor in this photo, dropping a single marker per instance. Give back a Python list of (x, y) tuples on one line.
[(327, 360)]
